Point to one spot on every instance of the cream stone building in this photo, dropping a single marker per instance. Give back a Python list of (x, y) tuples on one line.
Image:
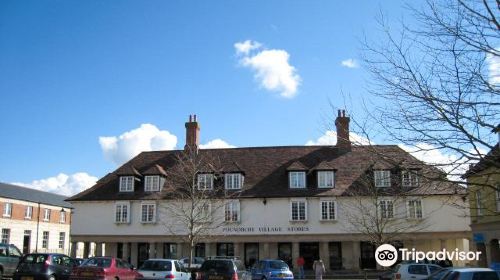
[(288, 202), (33, 220)]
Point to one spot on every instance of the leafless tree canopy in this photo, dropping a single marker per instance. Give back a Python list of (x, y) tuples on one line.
[(439, 80)]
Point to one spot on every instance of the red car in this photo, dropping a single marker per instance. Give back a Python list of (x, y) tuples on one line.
[(105, 268)]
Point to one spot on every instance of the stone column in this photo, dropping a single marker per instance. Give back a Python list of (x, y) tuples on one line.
[(126, 253), (98, 249), (324, 254), (73, 248), (152, 250), (86, 249), (265, 252), (159, 250), (295, 255), (134, 258)]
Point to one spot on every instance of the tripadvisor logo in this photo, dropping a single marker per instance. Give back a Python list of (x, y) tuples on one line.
[(387, 255)]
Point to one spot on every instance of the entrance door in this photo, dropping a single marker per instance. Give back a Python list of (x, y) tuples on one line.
[(285, 253), (335, 252), (143, 253), (26, 242), (367, 255), (251, 253), (310, 252)]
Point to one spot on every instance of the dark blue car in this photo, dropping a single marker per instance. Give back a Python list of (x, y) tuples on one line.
[(271, 270)]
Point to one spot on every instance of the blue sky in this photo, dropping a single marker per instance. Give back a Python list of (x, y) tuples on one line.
[(74, 71)]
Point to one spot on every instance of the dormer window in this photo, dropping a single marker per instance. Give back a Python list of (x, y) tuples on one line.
[(233, 181), (326, 179), (152, 183), (297, 179), (382, 178), (205, 181), (409, 178), (127, 184)]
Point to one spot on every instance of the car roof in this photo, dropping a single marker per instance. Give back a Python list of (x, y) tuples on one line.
[(471, 269), (161, 260)]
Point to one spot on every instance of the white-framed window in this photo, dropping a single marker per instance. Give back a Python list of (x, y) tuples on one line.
[(46, 214), (386, 209), (127, 183), (152, 183), (297, 179), (28, 212), (7, 209), (232, 211), (298, 210), (62, 240), (122, 212), (45, 240), (382, 178), (205, 181), (328, 210), (6, 235), (415, 209), (148, 212), (409, 178), (479, 203), (233, 181), (62, 217), (204, 211), (326, 179)]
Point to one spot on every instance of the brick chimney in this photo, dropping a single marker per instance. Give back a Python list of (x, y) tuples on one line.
[(342, 125), (192, 134)]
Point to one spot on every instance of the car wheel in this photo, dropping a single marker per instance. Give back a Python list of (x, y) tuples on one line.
[(52, 277), (1, 274), (264, 278)]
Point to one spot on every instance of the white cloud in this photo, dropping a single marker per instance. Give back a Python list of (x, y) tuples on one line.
[(147, 137), (330, 138), (350, 63), (272, 68), (247, 46), (216, 144), (494, 69), (62, 184)]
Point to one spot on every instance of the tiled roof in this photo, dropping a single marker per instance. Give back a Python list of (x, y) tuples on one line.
[(32, 195), (491, 159), (266, 168)]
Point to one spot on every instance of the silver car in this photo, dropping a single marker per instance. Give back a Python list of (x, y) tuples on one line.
[(163, 269), (471, 273), (414, 271)]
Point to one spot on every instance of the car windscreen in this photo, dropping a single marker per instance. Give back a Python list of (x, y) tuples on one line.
[(223, 266), (156, 265), (34, 258), (278, 265), (97, 262)]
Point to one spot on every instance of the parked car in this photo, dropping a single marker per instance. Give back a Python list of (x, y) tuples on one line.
[(414, 271), (197, 262), (271, 270), (472, 273), (224, 268), (439, 274), (164, 269), (44, 266), (104, 268), (9, 258), (79, 261)]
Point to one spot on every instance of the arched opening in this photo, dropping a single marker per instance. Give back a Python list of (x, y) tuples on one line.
[(495, 251)]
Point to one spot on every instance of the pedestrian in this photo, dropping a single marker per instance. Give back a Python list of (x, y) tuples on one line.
[(319, 269), (300, 265)]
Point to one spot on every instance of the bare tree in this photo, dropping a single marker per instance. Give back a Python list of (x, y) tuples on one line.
[(439, 81), (192, 203)]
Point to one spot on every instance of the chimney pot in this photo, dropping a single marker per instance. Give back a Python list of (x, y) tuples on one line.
[(339, 113)]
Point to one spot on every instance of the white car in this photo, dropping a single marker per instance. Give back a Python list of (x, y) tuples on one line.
[(414, 271), (471, 273), (163, 269)]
